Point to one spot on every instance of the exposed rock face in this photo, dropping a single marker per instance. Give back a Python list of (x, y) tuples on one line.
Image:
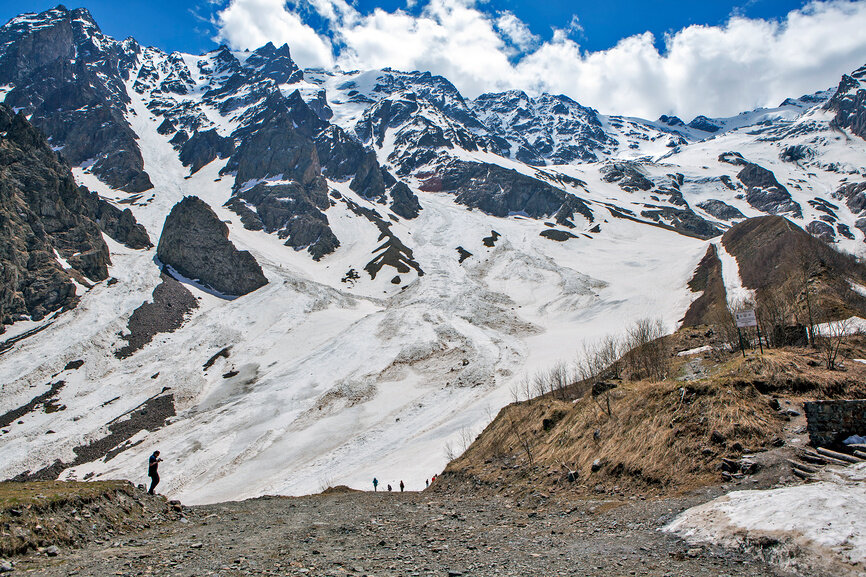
[(822, 230), (627, 175), (195, 243), (203, 148), (705, 124), (683, 220), (721, 210), (562, 131), (854, 195), (70, 77), (500, 192), (763, 192), (119, 224), (42, 210), (849, 103)]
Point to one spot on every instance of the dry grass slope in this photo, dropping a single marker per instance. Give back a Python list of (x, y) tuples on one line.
[(652, 437)]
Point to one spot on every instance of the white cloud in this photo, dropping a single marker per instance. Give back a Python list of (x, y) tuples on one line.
[(713, 70), (516, 31), (252, 23)]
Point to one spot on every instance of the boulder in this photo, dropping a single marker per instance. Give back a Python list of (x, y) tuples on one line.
[(195, 243)]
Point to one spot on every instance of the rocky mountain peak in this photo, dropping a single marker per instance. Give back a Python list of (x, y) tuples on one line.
[(849, 103)]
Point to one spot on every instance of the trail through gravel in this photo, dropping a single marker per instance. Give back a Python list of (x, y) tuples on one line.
[(390, 534)]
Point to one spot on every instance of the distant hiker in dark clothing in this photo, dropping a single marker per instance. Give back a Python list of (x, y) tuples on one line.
[(426, 482), (401, 485), (389, 487), (375, 483), (153, 465)]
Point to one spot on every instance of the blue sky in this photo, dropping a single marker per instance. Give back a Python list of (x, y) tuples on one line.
[(178, 25), (626, 57)]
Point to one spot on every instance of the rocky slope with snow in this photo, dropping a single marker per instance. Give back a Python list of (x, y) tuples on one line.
[(422, 253)]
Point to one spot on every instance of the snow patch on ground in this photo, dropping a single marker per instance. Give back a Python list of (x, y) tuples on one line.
[(736, 292), (807, 528)]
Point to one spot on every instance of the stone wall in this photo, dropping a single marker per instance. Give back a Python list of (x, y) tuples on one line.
[(831, 422)]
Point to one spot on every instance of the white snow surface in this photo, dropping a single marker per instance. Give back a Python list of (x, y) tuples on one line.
[(817, 527), (334, 381)]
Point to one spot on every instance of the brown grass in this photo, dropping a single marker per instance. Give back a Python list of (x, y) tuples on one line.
[(657, 437)]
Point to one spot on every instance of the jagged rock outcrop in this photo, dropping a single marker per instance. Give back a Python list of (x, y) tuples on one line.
[(500, 192), (849, 103), (704, 124), (721, 210), (763, 191), (195, 243), (627, 175), (70, 78), (203, 148), (44, 215), (562, 131)]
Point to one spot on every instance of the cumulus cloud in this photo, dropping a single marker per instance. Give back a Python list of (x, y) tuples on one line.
[(251, 23), (713, 70)]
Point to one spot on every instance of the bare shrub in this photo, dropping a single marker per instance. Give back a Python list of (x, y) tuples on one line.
[(830, 340), (648, 357)]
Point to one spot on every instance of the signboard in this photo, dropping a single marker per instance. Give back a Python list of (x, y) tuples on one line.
[(746, 319)]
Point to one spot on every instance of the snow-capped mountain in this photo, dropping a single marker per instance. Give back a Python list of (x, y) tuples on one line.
[(420, 253)]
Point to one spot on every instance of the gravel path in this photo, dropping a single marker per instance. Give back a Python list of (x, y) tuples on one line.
[(406, 534)]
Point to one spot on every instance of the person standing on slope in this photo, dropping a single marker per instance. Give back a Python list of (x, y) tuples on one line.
[(152, 471), (401, 485), (375, 483)]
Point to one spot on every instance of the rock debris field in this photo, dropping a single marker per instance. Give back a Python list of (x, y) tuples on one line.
[(390, 534)]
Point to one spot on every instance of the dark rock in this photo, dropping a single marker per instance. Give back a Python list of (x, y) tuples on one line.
[(165, 313), (463, 253), (765, 193), (73, 365), (404, 202), (684, 221), (721, 210), (717, 438), (167, 127), (854, 195), (195, 243), (671, 120), (849, 103), (705, 124), (490, 241), (557, 235), (627, 175), (501, 192), (42, 211), (822, 230), (796, 153), (204, 147), (71, 79)]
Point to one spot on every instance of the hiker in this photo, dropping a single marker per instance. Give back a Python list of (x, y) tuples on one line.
[(401, 485), (426, 482), (375, 483), (389, 487), (152, 466)]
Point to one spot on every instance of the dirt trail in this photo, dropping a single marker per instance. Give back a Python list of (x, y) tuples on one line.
[(389, 534)]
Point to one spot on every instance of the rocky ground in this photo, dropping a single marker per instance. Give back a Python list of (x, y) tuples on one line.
[(351, 533)]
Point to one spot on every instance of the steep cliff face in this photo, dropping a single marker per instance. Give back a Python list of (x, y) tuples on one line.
[(195, 243), (849, 103), (41, 213), (69, 78), (50, 233)]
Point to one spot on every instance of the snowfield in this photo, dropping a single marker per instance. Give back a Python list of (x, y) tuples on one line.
[(332, 378), (807, 528)]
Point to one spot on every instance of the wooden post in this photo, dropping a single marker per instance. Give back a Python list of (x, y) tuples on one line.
[(740, 335)]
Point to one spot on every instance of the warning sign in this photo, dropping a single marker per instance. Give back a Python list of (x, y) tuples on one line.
[(746, 319)]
